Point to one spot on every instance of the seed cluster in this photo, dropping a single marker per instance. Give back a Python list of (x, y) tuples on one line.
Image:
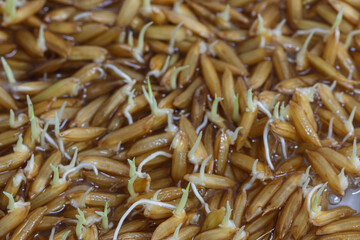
[(166, 119)]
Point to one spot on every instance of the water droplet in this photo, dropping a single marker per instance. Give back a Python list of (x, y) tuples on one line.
[(333, 199)]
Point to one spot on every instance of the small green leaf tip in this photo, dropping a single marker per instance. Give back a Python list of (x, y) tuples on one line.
[(182, 203), (55, 180), (132, 174), (11, 204)]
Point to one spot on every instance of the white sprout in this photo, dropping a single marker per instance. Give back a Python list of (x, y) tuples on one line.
[(171, 126), (202, 125), (35, 131), (72, 162), (51, 237), (9, 73), (119, 72), (349, 38), (83, 15), (133, 206), (266, 146), (138, 51), (174, 75), (226, 222), (200, 198), (78, 167), (43, 133), (148, 159)]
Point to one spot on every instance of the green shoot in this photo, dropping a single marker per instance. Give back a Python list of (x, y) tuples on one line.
[(20, 146), (30, 165), (174, 75), (240, 234), (146, 4), (273, 102), (131, 98), (132, 179), (315, 204), (155, 196), (234, 135), (236, 110), (82, 202), (300, 57), (43, 134), (11, 204), (72, 163), (104, 215), (349, 38), (81, 221), (41, 40), (276, 111), (151, 99), (202, 168), (183, 200), (349, 123), (214, 115), (176, 233), (305, 179), (338, 19), (260, 27), (344, 182), (278, 29), (55, 180), (10, 9), (193, 149), (354, 158), (64, 236), (251, 104), (226, 222), (225, 14), (8, 71), (284, 112), (122, 37), (254, 175), (35, 131), (173, 38), (140, 46), (12, 119), (130, 39)]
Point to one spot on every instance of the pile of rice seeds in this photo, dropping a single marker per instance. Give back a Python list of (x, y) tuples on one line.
[(166, 119)]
